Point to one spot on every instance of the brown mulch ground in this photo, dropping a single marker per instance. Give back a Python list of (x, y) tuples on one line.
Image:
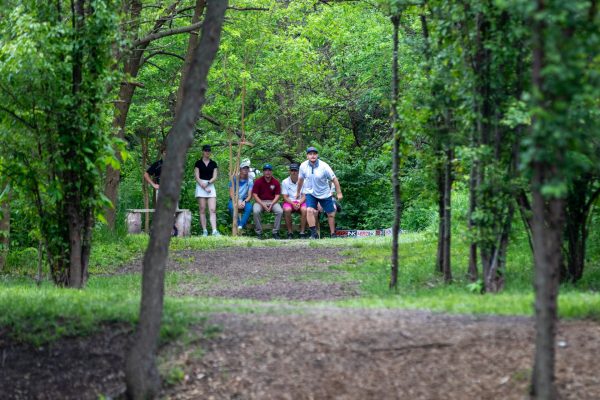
[(383, 354), (311, 352)]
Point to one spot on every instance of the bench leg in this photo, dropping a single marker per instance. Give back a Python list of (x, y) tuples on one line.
[(134, 222), (183, 222)]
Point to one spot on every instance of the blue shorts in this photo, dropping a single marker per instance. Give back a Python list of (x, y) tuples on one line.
[(327, 203)]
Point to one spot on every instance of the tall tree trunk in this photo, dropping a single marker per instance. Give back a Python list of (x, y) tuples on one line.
[(72, 178), (142, 377), (4, 224), (547, 224), (441, 216), (145, 195), (448, 178), (472, 268), (395, 156)]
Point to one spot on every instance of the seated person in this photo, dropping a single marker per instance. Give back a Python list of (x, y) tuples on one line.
[(244, 195), (266, 193), (291, 204)]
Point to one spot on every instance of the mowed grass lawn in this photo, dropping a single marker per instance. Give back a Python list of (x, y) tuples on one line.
[(38, 314)]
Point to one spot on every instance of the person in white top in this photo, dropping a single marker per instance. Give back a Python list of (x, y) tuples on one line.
[(291, 203), (314, 178)]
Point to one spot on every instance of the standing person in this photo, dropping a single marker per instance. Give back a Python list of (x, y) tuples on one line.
[(244, 194), (266, 193), (317, 174), (205, 173), (291, 203), (152, 176)]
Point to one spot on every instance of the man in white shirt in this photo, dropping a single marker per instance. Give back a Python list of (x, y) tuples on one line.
[(291, 203), (314, 177)]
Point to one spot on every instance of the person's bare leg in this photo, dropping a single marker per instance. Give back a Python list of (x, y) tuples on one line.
[(311, 216), (287, 214), (302, 219), (212, 208), (202, 207), (331, 220)]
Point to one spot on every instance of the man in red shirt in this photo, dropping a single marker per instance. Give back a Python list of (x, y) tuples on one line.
[(266, 193)]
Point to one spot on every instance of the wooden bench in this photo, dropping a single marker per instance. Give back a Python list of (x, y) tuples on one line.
[(183, 221), (268, 227)]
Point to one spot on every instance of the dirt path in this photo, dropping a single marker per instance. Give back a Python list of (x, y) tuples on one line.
[(308, 352), (260, 273)]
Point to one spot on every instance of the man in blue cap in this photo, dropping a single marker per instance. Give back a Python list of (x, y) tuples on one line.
[(266, 193), (315, 176)]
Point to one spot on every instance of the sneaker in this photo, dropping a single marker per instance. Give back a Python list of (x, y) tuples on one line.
[(290, 235), (205, 233), (302, 235), (216, 233), (240, 228), (313, 236), (259, 236), (275, 235)]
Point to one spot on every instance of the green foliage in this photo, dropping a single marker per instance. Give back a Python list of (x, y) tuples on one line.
[(54, 126)]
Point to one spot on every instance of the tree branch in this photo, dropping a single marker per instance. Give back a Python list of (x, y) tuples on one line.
[(159, 35), (20, 119), (247, 8), (219, 125), (164, 53)]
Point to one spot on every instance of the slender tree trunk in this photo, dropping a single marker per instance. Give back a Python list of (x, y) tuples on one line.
[(142, 377), (448, 178), (395, 157), (441, 217), (145, 195), (440, 168), (472, 268), (4, 225)]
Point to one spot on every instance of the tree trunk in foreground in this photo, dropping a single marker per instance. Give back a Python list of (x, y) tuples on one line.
[(395, 157), (547, 227), (143, 380)]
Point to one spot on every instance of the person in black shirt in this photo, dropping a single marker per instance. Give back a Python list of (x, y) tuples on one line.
[(205, 173), (152, 174)]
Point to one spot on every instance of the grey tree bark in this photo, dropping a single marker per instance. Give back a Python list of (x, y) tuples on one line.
[(143, 380)]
